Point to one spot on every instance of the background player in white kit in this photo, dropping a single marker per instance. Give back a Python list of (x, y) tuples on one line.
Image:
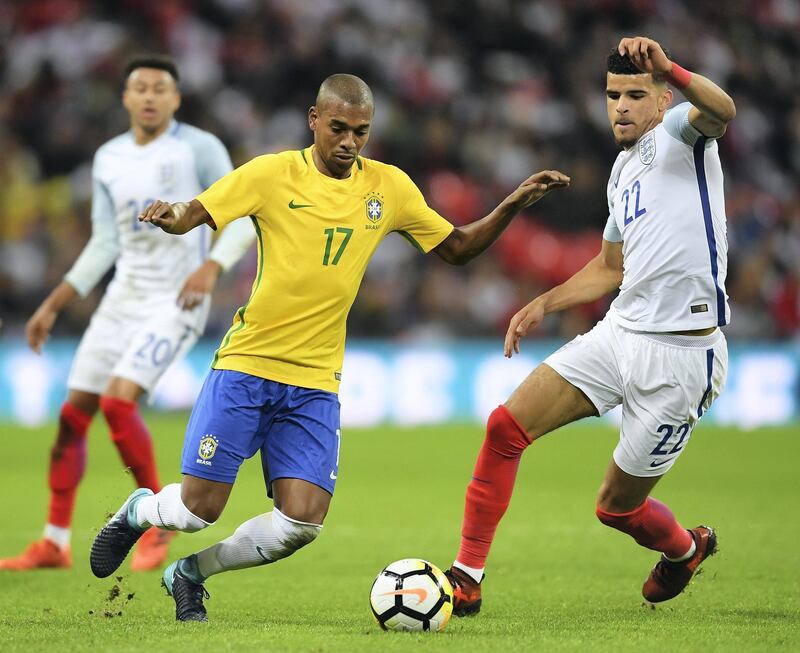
[(155, 307), (659, 351)]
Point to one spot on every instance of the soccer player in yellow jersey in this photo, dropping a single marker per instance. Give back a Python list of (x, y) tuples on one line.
[(319, 213)]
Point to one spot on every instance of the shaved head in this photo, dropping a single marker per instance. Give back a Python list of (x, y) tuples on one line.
[(344, 88)]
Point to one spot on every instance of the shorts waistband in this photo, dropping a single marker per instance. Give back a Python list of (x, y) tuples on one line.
[(690, 342)]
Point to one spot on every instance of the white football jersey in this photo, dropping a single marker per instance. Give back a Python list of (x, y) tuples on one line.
[(151, 266), (666, 204)]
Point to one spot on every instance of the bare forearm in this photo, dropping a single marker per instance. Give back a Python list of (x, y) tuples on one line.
[(592, 282), (61, 296), (710, 99), (471, 240)]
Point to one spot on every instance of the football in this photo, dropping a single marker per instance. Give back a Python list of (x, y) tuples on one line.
[(411, 594)]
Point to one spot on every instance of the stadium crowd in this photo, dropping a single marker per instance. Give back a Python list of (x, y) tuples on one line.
[(472, 96)]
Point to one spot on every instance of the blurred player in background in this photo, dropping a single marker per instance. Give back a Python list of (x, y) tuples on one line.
[(155, 307), (659, 351), (320, 214)]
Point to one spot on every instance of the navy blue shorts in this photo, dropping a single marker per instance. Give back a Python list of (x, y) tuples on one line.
[(296, 429)]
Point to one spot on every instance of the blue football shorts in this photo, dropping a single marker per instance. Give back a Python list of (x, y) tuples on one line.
[(296, 429)]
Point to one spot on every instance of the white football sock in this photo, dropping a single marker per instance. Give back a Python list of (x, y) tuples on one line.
[(474, 573), (259, 541), (687, 555), (57, 534), (165, 510)]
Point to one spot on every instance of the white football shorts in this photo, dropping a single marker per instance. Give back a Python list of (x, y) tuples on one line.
[(134, 341), (664, 382)]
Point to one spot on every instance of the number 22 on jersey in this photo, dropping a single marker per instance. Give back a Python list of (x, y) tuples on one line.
[(632, 198)]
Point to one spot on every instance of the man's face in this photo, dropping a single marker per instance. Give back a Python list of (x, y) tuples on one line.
[(635, 105), (151, 98), (341, 131)]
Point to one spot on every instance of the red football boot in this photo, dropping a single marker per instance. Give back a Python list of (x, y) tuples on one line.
[(466, 592), (42, 554), (668, 579), (151, 550)]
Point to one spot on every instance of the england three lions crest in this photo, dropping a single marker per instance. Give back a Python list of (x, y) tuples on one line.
[(374, 206), (647, 148)]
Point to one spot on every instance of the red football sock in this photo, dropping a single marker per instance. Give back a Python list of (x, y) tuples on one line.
[(67, 464), (132, 438), (489, 491), (653, 526)]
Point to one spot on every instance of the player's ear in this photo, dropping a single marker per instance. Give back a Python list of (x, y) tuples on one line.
[(313, 116), (665, 100)]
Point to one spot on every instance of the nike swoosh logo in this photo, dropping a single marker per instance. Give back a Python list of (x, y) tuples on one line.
[(292, 205), (263, 557), (334, 476), (657, 464), (420, 593)]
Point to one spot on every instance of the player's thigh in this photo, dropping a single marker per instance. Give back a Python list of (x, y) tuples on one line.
[(545, 400), (227, 426), (669, 389), (160, 341), (102, 346), (579, 380), (303, 443)]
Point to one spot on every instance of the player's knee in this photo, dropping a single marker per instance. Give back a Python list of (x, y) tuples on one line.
[(292, 533), (202, 509), (504, 434), (183, 515)]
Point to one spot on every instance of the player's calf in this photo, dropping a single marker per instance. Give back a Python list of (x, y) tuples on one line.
[(259, 541)]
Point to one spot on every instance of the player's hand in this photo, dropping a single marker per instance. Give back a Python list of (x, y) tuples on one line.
[(37, 329), (646, 54), (198, 284), (161, 214), (521, 325), (537, 186)]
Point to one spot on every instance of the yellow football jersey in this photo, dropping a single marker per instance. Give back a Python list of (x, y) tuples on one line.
[(316, 235)]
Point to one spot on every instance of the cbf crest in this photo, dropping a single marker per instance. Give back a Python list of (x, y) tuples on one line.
[(374, 207), (647, 149), (207, 449)]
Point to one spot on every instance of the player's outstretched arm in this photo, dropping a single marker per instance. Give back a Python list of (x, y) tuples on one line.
[(598, 277), (176, 218), (465, 243), (713, 108)]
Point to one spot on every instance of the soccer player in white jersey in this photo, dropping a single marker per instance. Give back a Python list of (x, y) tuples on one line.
[(659, 351), (154, 308)]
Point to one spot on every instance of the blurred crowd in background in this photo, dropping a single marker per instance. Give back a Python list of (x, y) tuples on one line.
[(472, 96)]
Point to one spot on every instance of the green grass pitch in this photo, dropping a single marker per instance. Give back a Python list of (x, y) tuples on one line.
[(557, 579)]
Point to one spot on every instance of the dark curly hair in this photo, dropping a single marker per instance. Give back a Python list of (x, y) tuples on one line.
[(157, 61), (620, 64)]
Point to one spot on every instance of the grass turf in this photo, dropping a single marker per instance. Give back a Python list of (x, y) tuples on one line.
[(557, 580)]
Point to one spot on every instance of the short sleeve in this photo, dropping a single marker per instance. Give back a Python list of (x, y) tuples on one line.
[(611, 233), (677, 125), (213, 161), (415, 220), (238, 193)]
